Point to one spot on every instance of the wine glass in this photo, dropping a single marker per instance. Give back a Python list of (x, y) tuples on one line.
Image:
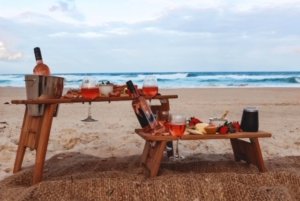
[(89, 91), (163, 118), (177, 125), (150, 86)]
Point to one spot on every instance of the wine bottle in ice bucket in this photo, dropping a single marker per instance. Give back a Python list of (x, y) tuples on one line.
[(141, 108), (40, 68)]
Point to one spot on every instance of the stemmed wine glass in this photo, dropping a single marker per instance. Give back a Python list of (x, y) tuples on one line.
[(89, 91), (150, 86), (177, 125), (164, 117)]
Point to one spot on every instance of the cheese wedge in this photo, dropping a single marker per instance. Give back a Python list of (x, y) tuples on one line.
[(199, 129)]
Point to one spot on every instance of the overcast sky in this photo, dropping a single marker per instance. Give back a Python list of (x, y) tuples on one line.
[(150, 35)]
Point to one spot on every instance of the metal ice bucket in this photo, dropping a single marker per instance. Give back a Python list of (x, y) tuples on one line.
[(42, 86)]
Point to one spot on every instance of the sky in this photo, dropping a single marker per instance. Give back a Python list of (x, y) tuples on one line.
[(150, 35)]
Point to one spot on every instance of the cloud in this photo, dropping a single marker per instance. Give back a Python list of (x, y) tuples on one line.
[(87, 35), (59, 34), (280, 21), (62, 6), (120, 31), (6, 55), (297, 50), (287, 49), (68, 8), (184, 36), (91, 35), (33, 18), (253, 6)]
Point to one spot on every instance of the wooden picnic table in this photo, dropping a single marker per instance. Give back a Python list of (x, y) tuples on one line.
[(242, 150), (35, 130)]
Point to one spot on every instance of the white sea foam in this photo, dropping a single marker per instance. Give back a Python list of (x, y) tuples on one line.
[(242, 77), (178, 79), (167, 76)]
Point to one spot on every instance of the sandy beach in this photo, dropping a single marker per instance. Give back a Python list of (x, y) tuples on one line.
[(100, 160)]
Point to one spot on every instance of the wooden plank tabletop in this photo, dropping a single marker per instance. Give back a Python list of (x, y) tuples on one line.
[(80, 100), (150, 137)]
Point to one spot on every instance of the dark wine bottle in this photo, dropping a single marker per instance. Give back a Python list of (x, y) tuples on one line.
[(141, 108)]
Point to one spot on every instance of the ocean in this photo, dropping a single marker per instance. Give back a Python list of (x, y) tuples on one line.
[(177, 79)]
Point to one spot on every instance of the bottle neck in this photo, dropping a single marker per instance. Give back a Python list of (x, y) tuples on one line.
[(39, 61), (38, 54), (135, 94)]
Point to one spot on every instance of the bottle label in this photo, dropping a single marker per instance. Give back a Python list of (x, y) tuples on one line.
[(141, 108)]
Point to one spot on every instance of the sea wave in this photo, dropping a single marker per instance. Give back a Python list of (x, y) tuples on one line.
[(242, 77), (167, 76), (178, 79), (122, 78)]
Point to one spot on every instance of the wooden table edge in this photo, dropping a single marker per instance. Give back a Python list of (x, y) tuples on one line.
[(80, 100), (149, 137)]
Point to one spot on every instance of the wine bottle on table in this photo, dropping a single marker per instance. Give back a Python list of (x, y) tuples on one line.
[(40, 68), (141, 108)]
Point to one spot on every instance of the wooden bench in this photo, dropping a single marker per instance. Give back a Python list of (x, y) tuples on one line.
[(242, 150)]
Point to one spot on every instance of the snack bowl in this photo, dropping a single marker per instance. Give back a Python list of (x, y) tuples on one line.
[(105, 87), (210, 129), (217, 121)]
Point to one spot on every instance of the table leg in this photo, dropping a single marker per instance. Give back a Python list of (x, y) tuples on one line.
[(22, 144), (259, 159), (235, 149), (152, 156), (249, 152), (145, 152), (42, 143)]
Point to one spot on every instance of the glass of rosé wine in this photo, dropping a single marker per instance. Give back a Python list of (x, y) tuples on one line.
[(150, 86), (163, 117), (177, 125), (90, 91)]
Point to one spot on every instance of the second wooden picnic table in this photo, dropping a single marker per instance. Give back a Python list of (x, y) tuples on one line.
[(242, 149)]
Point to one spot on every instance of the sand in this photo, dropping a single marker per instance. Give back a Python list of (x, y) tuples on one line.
[(100, 161)]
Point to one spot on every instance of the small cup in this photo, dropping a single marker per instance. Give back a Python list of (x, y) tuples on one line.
[(217, 121), (106, 89), (210, 129)]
